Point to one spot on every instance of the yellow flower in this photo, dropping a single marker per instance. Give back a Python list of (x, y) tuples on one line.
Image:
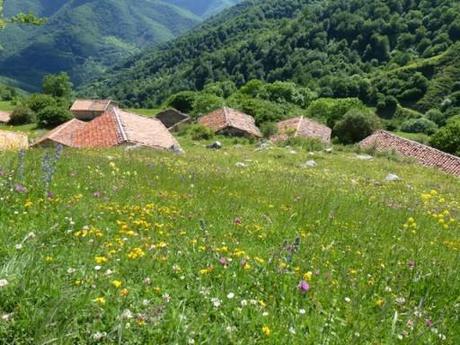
[(117, 283), (307, 276), (124, 292), (100, 260), (28, 204), (49, 259), (379, 302), (136, 253), (266, 331), (100, 300)]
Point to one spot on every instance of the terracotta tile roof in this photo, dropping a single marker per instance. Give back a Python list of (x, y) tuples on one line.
[(13, 140), (425, 155), (114, 127), (4, 116), (302, 127), (63, 134), (144, 131), (97, 105), (172, 118), (226, 120), (101, 132)]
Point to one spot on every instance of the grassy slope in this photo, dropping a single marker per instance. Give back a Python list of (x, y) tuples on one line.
[(150, 205)]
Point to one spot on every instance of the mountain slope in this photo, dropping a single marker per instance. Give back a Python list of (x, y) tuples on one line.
[(83, 37), (334, 47)]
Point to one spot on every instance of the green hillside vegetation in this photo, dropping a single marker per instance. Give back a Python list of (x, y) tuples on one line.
[(84, 38)]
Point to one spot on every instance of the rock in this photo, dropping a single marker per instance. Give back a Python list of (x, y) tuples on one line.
[(266, 145), (364, 157), (177, 150), (392, 177), (241, 165), (310, 164), (217, 145), (328, 150)]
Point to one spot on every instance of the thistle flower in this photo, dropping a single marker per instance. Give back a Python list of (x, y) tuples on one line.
[(303, 286)]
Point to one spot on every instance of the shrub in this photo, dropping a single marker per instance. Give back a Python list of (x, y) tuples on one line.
[(22, 115), (355, 126), (308, 144), (198, 132), (205, 103), (268, 129), (437, 116), (37, 102), (448, 138), (53, 116), (422, 125), (332, 110), (182, 101)]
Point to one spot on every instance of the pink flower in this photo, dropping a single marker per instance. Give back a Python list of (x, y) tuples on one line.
[(223, 261), (237, 221), (303, 286)]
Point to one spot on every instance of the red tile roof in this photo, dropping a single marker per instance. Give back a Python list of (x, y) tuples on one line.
[(425, 155), (230, 120), (302, 127), (114, 127), (63, 134)]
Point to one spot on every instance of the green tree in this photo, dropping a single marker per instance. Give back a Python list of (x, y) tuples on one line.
[(57, 85), (20, 18), (53, 116), (448, 138)]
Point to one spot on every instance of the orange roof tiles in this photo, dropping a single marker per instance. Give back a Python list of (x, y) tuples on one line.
[(230, 120), (303, 127)]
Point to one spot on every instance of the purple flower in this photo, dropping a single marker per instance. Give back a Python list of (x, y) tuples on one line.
[(19, 188), (97, 194), (223, 261), (303, 286), (429, 323)]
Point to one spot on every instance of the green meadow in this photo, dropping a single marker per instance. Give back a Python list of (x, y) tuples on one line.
[(236, 246)]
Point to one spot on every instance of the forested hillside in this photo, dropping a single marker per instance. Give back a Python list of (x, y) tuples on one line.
[(383, 52), (84, 37)]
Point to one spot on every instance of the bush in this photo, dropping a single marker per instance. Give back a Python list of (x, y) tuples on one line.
[(308, 144), (198, 132), (53, 116), (182, 101), (205, 103), (268, 129), (22, 115), (437, 116), (448, 138), (37, 102), (422, 125), (355, 126), (332, 110)]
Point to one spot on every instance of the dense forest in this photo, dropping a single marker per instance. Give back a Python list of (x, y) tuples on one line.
[(383, 52), (83, 38)]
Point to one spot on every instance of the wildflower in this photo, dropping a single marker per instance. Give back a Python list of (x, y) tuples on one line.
[(429, 323), (400, 300), (307, 276), (266, 331), (244, 303), (380, 302), (99, 336), (3, 283), (127, 314), (6, 317), (124, 292), (18, 246), (237, 221), (97, 267), (292, 330), (49, 258), (231, 295), (302, 311), (216, 302), (411, 264), (223, 261), (303, 286), (19, 188), (136, 253), (166, 297), (71, 270), (117, 283), (100, 260), (347, 299), (100, 300)]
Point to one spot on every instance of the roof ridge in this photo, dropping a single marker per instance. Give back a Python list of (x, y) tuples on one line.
[(298, 126), (119, 122)]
